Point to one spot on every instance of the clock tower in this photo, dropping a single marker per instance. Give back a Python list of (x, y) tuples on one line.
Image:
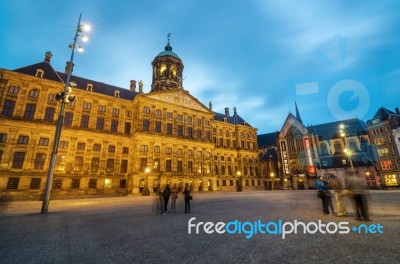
[(167, 70)]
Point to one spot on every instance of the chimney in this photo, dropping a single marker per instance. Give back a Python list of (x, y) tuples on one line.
[(133, 86), (227, 111), (397, 110), (48, 56), (67, 67)]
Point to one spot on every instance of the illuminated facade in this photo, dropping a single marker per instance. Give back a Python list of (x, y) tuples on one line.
[(111, 135), (382, 132), (305, 153)]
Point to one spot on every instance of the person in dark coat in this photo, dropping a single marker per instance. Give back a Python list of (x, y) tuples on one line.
[(166, 194), (322, 193), (187, 198)]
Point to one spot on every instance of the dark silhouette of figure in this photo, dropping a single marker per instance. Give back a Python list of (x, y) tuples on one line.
[(359, 195), (187, 198), (166, 194), (322, 194)]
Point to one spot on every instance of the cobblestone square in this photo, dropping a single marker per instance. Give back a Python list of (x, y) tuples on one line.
[(131, 230)]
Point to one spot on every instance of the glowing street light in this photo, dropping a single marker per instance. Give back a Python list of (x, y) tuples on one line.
[(64, 97)]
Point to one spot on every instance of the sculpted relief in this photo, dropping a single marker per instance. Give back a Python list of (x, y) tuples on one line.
[(179, 99)]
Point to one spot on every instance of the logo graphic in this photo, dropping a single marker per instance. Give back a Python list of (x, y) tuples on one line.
[(249, 229)]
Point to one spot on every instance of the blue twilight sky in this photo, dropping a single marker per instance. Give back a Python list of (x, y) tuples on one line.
[(337, 59)]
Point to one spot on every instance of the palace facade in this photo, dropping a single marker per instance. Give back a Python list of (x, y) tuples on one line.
[(116, 140)]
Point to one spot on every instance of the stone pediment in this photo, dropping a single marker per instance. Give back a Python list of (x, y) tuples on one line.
[(180, 97)]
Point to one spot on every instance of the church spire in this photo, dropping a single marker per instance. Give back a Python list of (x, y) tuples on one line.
[(297, 113)]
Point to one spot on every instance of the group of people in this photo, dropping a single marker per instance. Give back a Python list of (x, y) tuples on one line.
[(172, 194), (356, 191)]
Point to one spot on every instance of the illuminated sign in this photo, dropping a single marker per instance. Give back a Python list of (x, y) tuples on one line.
[(307, 145), (285, 158)]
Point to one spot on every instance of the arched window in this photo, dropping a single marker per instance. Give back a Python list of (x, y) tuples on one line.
[(338, 146), (324, 149), (352, 145)]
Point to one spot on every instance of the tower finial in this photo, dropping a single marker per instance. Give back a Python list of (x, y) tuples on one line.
[(168, 47)]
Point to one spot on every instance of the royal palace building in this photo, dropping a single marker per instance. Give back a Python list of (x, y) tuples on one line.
[(116, 140)]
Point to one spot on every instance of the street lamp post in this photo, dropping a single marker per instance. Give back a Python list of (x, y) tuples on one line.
[(146, 191), (272, 179), (348, 152), (64, 97), (239, 181)]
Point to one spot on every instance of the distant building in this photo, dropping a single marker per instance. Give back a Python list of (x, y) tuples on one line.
[(383, 130), (305, 153), (110, 135)]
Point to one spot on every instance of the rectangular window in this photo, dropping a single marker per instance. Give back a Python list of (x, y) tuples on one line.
[(190, 119), (168, 165), (124, 166), (157, 149), (60, 163), (8, 108), (110, 165), (3, 137), (146, 125), (179, 151), (12, 183), (125, 150), (169, 129), (114, 125), (190, 152), (34, 93), (143, 148), (87, 106), (43, 142), (168, 150), (198, 133), (78, 164), (63, 144), (49, 115), (111, 149), (122, 183), (180, 117), (92, 183), (13, 89), (57, 183), (39, 161), (30, 111), (146, 110), (97, 147), (190, 132), (23, 140), (180, 166), (157, 127), (143, 164), (190, 166), (95, 165), (115, 111), (169, 115), (35, 183), (75, 183), (68, 118), (180, 130), (158, 112), (85, 121), (128, 113), (102, 108), (127, 129), (52, 97), (100, 123), (80, 146)]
